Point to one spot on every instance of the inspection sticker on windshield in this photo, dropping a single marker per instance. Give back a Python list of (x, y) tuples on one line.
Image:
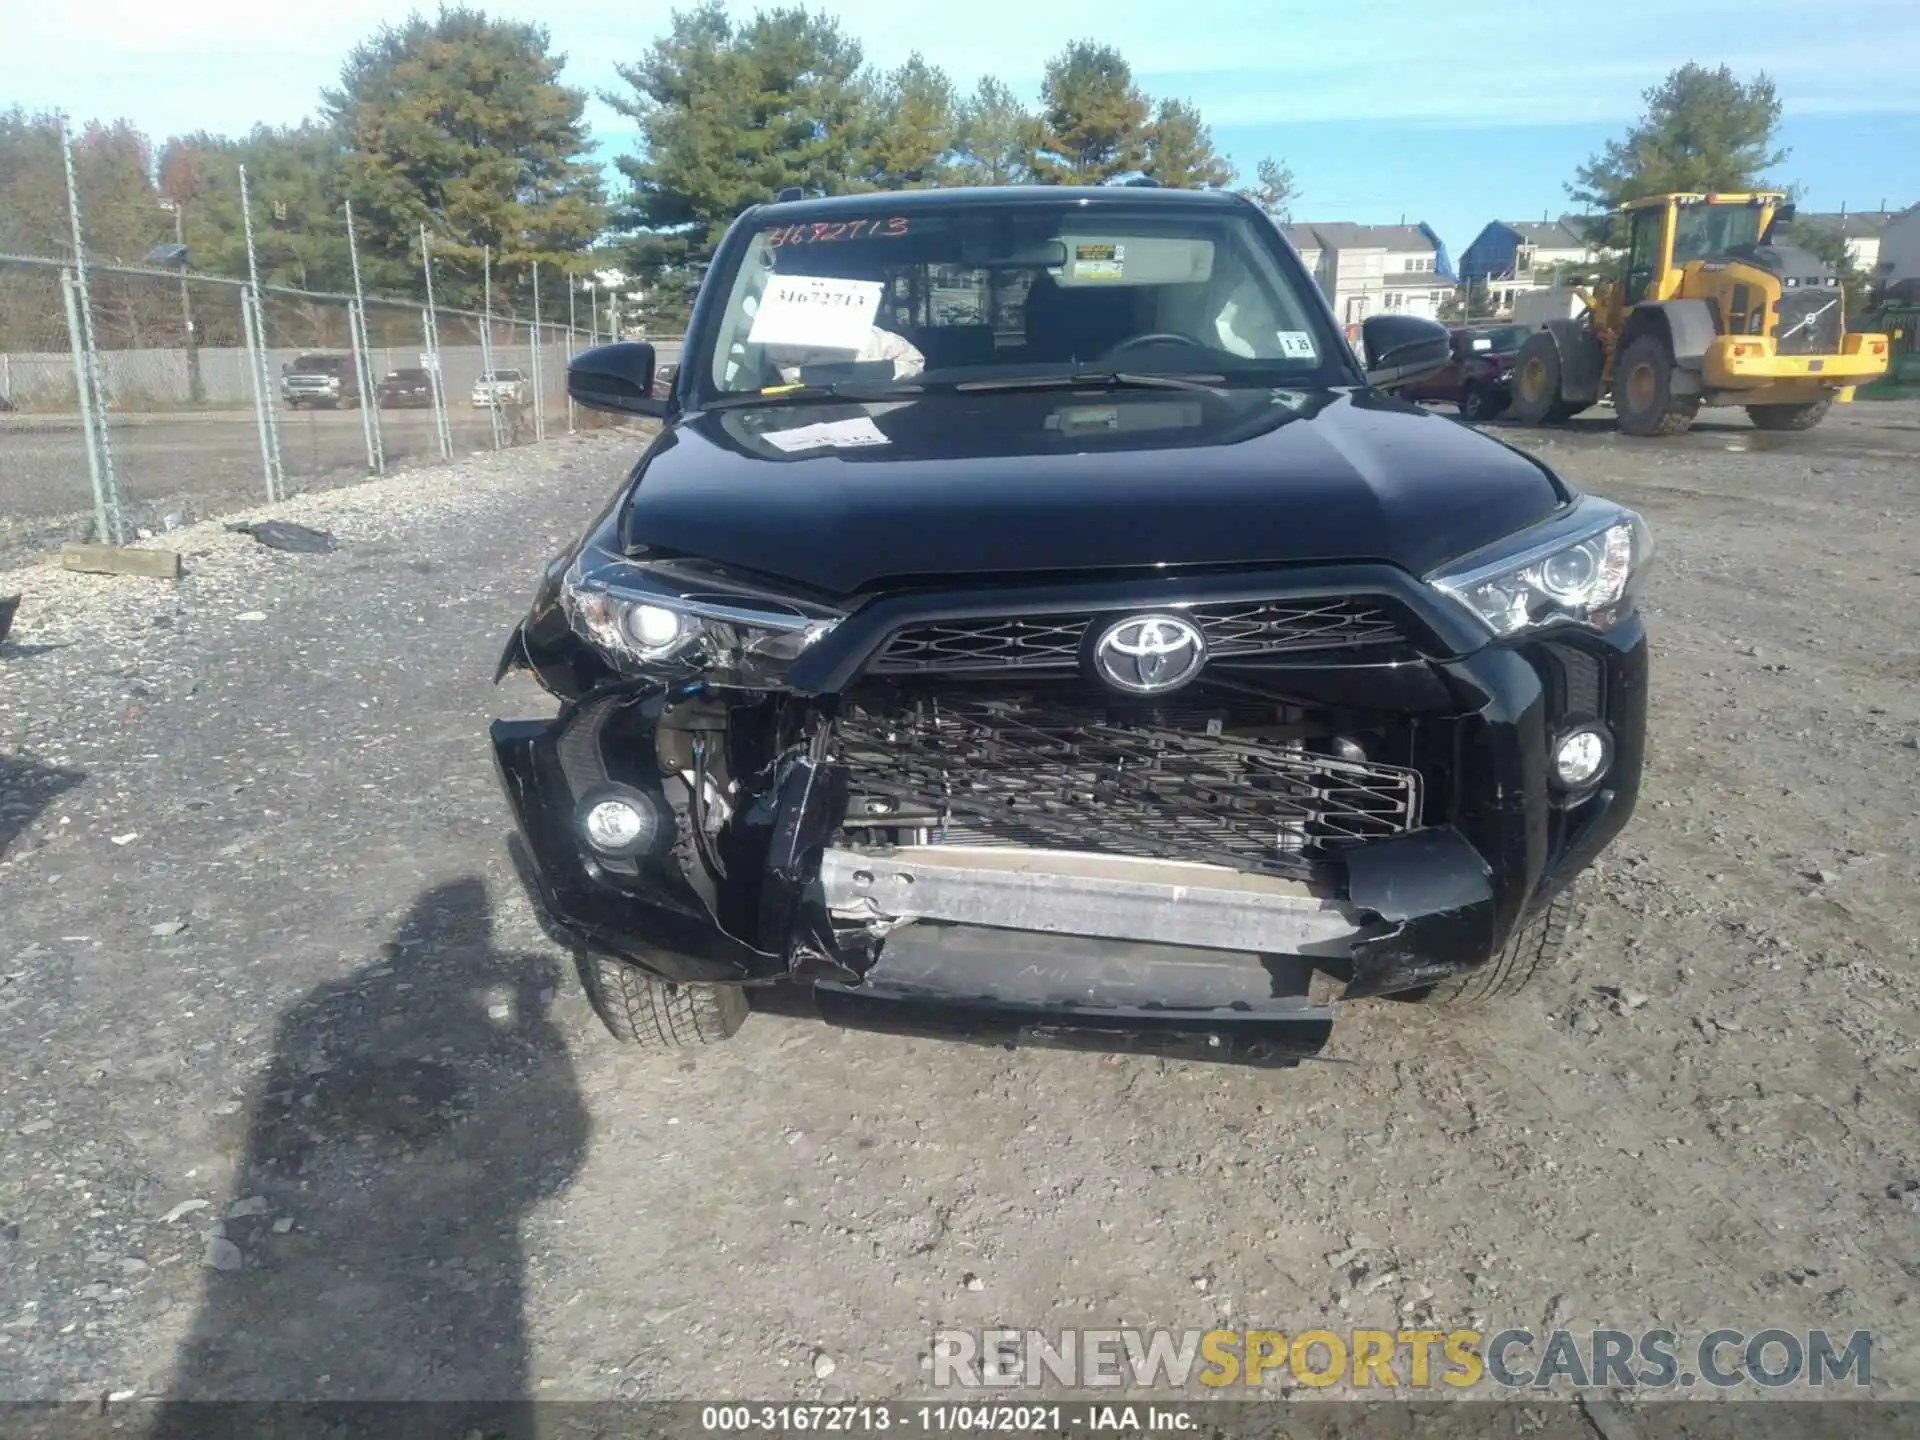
[(1099, 262), (1297, 345), (853, 434), (818, 312)]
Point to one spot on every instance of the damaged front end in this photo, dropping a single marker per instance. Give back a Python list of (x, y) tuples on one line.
[(751, 788)]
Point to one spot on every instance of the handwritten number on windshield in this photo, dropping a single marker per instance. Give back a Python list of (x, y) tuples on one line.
[(824, 231)]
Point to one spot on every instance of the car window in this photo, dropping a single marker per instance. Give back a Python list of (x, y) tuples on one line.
[(1012, 289)]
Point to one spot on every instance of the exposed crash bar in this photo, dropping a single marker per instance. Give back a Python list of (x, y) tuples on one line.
[(1108, 896)]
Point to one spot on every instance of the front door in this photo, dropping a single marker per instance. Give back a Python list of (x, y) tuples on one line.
[(1643, 252)]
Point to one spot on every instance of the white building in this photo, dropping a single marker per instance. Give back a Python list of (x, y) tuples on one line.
[(1897, 251), (1375, 269), (1862, 230)]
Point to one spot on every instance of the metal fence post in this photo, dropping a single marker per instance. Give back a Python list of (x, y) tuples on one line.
[(486, 341), (86, 404), (363, 357), (111, 522), (276, 473), (539, 370), (570, 336), (430, 328), (257, 383)]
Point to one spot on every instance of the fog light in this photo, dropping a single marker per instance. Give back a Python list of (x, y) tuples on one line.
[(1580, 758), (614, 825)]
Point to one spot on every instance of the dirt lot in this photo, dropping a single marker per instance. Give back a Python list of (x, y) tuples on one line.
[(298, 1103)]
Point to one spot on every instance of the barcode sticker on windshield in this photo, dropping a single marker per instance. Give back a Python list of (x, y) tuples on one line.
[(1099, 262), (1297, 345), (816, 312)]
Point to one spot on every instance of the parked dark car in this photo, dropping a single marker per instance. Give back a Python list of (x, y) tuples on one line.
[(406, 389), (1477, 378), (1139, 675), (326, 381)]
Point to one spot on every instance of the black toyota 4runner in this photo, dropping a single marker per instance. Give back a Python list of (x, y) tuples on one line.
[(1032, 622)]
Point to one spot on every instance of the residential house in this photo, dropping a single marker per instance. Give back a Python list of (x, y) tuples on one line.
[(1509, 256), (1375, 269), (1862, 230), (1897, 257)]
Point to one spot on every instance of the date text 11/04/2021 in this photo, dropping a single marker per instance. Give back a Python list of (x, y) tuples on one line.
[(954, 1419)]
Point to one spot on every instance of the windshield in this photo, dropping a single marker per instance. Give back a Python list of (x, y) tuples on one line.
[(320, 364), (1502, 340), (1002, 292), (406, 375), (1703, 231)]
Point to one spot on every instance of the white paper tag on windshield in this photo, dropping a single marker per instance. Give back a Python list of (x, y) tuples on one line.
[(816, 312), (1297, 345), (829, 434)]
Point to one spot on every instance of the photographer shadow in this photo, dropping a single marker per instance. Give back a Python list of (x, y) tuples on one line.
[(414, 1114)]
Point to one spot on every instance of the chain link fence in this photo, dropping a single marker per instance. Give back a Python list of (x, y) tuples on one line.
[(207, 397), (138, 396)]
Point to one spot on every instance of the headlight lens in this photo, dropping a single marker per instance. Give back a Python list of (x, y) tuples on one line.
[(646, 623), (1585, 574)]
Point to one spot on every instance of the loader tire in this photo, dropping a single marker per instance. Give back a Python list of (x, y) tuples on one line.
[(1535, 388), (1643, 397), (1790, 417), (1535, 948), (652, 1014)]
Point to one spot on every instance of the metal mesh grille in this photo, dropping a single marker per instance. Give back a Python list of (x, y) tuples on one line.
[(1052, 642), (1809, 322), (1070, 775)]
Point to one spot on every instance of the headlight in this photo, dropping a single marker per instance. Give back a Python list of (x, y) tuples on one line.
[(1584, 572), (649, 621)]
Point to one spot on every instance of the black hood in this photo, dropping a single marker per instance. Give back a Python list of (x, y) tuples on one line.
[(951, 485)]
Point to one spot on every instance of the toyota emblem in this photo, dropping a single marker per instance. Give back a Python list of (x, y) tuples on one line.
[(1149, 654)]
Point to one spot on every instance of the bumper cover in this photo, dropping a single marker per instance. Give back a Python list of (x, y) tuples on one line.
[(1395, 914)]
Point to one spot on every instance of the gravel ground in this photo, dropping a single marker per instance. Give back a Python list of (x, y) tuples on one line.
[(299, 1103)]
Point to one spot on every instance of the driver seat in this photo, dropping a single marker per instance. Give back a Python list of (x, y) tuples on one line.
[(1079, 323)]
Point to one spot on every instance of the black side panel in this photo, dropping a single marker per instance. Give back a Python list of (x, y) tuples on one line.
[(1689, 324), (1580, 361)]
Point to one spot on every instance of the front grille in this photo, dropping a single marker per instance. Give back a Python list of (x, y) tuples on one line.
[(1052, 642), (1797, 333), (1075, 775)]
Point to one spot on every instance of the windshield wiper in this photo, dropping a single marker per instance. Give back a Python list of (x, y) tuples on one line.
[(841, 390), (1096, 380)]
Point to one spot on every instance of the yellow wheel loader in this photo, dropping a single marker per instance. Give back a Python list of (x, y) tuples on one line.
[(1712, 310)]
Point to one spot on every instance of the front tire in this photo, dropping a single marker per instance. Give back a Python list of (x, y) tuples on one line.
[(1643, 395), (1790, 417), (1477, 405), (652, 1014), (1535, 388), (1535, 949)]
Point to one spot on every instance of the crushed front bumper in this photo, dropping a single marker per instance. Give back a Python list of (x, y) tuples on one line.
[(1097, 951)]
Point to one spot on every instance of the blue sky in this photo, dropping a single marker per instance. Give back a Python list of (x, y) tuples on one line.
[(1453, 114)]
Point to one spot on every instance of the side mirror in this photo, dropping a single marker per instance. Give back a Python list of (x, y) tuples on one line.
[(617, 377), (1400, 349)]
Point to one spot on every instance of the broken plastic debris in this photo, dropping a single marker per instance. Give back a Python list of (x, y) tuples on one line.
[(285, 535)]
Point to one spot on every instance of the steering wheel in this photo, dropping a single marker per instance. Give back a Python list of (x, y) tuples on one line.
[(1154, 337)]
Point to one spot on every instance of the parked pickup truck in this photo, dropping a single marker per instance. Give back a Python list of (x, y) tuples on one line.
[(328, 381), (505, 388), (1476, 379)]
